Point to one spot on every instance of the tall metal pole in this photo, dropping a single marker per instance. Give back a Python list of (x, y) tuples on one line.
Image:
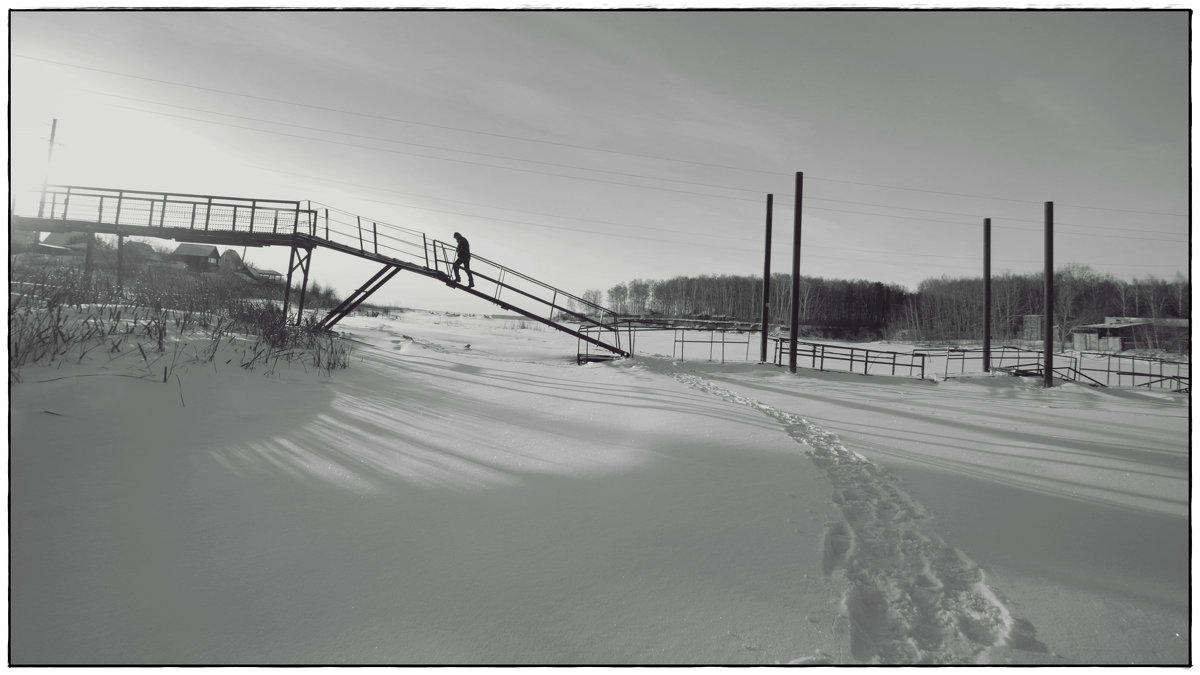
[(46, 178), (794, 327), (987, 295), (1048, 373), (120, 258), (766, 295)]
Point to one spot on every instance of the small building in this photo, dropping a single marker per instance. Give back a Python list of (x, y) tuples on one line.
[(264, 275), (1119, 333), (198, 257)]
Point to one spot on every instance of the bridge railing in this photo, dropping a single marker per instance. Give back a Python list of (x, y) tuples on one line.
[(507, 285), (210, 213), (371, 236)]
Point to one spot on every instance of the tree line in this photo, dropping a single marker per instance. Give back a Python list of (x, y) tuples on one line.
[(942, 308)]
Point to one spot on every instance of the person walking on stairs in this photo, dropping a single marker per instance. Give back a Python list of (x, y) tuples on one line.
[(463, 260)]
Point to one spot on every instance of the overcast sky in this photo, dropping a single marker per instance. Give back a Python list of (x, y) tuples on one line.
[(590, 148)]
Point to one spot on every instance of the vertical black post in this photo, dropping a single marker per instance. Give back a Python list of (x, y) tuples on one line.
[(89, 255), (303, 286), (46, 178), (795, 318), (1048, 375), (120, 258), (987, 295), (766, 294), (303, 261), (287, 284)]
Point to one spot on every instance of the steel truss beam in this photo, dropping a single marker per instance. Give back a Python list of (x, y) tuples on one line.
[(357, 297), (300, 258)]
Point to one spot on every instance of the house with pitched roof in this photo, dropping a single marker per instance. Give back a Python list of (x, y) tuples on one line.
[(198, 257)]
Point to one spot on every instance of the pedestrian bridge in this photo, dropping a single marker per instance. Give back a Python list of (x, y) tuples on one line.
[(303, 227)]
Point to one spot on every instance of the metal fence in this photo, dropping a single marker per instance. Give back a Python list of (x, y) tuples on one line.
[(857, 359), (1100, 369), (715, 337)]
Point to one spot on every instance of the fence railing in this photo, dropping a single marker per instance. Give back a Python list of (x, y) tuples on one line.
[(858, 359), (209, 213), (715, 337), (1004, 357), (1101, 369), (1138, 371)]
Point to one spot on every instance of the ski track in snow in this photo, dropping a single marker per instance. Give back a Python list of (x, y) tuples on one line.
[(912, 597)]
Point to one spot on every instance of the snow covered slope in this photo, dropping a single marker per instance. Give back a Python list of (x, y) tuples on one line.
[(466, 494)]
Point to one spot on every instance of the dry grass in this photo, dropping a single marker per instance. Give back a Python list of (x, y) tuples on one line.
[(57, 315)]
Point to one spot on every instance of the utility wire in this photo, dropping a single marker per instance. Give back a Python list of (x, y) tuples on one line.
[(444, 159), (560, 144), (559, 175), (609, 172), (569, 166), (396, 119), (416, 145)]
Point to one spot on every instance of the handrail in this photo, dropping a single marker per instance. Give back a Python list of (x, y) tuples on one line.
[(174, 194), (448, 261), (141, 208)]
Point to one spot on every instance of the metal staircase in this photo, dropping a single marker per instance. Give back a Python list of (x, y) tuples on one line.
[(304, 226)]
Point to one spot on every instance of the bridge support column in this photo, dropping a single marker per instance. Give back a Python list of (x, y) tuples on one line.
[(120, 260), (300, 258), (89, 256), (351, 303)]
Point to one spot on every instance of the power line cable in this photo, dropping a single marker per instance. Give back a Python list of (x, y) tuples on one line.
[(555, 143), (890, 253), (1002, 199), (484, 206), (396, 119), (444, 159), (418, 145), (975, 215), (569, 166), (559, 175)]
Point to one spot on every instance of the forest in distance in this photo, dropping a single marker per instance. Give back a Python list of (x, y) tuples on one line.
[(941, 309)]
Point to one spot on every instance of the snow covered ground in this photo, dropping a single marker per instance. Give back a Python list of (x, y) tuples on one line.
[(466, 494)]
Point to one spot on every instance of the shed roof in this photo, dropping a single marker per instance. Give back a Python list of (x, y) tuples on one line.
[(1126, 322), (65, 239), (197, 250), (1123, 324)]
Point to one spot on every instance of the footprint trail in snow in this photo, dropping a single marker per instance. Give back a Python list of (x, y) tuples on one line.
[(912, 598)]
